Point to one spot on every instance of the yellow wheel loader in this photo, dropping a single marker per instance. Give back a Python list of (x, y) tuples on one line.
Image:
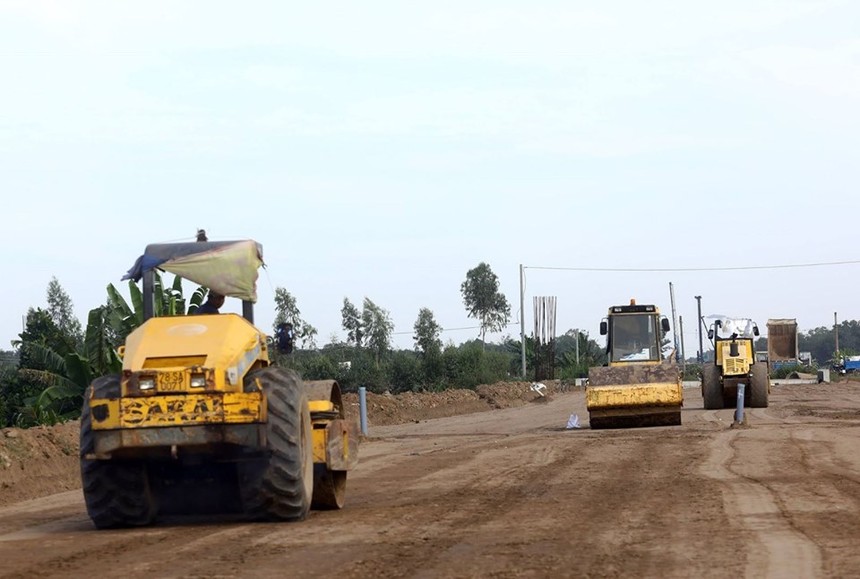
[(734, 363), (637, 387), (199, 420)]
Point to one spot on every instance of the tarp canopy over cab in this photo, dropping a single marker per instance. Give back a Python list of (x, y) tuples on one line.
[(226, 267)]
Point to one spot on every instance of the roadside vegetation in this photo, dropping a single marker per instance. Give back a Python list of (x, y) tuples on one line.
[(43, 379), (44, 376)]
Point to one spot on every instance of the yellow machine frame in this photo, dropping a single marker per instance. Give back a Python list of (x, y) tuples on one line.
[(184, 391), (635, 392), (721, 378)]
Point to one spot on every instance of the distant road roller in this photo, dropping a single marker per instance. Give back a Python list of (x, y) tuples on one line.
[(734, 364), (199, 420), (637, 387)]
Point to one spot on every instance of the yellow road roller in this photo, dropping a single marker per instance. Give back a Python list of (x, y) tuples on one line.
[(199, 420), (734, 364), (637, 387)]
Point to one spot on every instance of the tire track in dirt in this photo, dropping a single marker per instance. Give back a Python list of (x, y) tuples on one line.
[(29, 515), (459, 494), (649, 515), (62, 554), (175, 549), (827, 505), (136, 552), (535, 506), (755, 510)]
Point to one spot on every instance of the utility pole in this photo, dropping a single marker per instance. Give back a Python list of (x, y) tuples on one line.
[(522, 324), (681, 328), (701, 356), (674, 323), (836, 332), (577, 347)]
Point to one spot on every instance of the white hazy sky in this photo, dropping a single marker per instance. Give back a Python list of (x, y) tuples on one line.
[(382, 149)]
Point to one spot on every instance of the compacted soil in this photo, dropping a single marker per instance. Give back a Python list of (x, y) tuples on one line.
[(505, 490)]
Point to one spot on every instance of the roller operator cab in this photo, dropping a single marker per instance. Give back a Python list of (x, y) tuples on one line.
[(734, 363), (634, 334), (637, 387), (199, 420)]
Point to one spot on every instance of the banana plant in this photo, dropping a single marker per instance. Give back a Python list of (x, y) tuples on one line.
[(65, 376), (124, 317)]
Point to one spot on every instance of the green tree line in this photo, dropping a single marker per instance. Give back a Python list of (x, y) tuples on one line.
[(42, 381)]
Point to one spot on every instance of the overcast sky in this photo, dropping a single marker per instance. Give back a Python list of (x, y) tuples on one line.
[(382, 149)]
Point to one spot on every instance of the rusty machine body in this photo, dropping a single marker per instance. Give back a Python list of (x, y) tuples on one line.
[(200, 420), (734, 364), (637, 387)]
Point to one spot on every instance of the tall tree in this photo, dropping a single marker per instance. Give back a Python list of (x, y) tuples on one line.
[(378, 327), (483, 300), (40, 330), (62, 312), (52, 377), (428, 344), (352, 323), (287, 311), (427, 333)]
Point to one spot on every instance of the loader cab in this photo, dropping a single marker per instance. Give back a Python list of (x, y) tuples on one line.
[(733, 345), (634, 333)]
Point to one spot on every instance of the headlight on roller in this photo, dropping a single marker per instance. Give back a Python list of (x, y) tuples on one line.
[(146, 383), (198, 381)]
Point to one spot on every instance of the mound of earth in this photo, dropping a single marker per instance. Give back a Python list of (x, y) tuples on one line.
[(38, 461), (44, 460), (387, 409)]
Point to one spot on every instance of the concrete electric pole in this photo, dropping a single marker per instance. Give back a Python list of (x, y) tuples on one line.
[(836, 332), (701, 356)]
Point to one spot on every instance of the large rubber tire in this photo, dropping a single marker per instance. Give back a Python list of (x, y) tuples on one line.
[(712, 390), (759, 386), (280, 486), (117, 492)]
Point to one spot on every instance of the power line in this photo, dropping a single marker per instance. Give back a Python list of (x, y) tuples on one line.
[(679, 269)]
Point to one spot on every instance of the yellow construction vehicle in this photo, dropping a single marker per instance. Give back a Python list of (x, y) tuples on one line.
[(637, 387), (199, 420), (734, 363)]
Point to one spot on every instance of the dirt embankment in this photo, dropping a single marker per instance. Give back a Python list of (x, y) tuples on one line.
[(40, 461), (388, 409)]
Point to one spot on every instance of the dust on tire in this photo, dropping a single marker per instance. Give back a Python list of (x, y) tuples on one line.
[(117, 492), (280, 485)]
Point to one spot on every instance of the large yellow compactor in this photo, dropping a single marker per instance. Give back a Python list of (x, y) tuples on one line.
[(734, 364), (637, 387), (199, 420)]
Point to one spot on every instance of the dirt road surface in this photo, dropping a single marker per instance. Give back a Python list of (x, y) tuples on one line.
[(512, 493)]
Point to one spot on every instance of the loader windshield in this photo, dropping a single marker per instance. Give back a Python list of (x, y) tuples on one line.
[(634, 337)]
